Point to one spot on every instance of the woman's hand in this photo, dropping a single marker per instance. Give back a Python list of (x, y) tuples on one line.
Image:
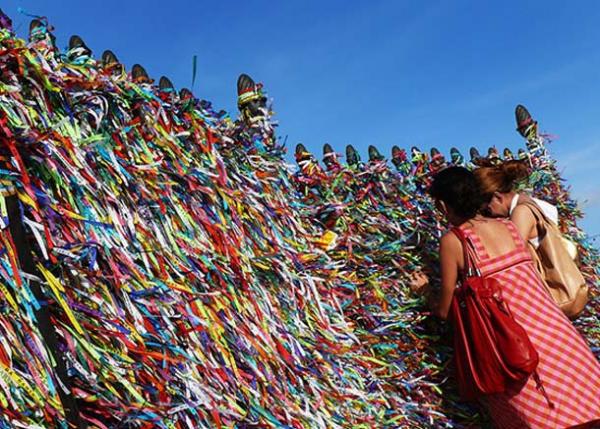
[(419, 283)]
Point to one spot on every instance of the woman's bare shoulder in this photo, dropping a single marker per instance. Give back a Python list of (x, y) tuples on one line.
[(522, 211), (450, 240), (450, 249)]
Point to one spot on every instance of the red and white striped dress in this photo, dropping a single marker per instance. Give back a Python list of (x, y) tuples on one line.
[(569, 372)]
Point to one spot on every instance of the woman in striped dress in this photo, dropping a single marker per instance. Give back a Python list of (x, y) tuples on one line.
[(568, 391)]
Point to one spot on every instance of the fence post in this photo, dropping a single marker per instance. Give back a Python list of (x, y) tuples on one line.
[(45, 327)]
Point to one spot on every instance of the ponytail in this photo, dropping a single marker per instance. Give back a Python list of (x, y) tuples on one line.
[(514, 171), (501, 178)]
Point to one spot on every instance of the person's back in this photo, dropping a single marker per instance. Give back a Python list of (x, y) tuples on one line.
[(495, 236)]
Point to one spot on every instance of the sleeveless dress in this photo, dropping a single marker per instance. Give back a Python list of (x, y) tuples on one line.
[(567, 392)]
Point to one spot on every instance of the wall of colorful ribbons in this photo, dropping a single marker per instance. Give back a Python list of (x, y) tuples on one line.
[(172, 271)]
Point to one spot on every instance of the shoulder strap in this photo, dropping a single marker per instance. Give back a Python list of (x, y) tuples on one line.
[(541, 220), (470, 265), (514, 233)]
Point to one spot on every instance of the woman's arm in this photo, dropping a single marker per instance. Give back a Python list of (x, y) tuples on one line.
[(450, 255), (524, 221)]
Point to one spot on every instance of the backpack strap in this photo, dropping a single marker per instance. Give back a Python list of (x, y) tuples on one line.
[(540, 218)]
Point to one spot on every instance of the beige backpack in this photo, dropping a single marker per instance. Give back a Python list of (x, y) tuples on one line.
[(562, 277)]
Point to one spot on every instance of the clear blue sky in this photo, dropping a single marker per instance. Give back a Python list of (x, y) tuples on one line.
[(374, 72)]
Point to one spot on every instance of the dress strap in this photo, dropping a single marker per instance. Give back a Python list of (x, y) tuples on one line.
[(471, 261), (476, 246), (519, 243)]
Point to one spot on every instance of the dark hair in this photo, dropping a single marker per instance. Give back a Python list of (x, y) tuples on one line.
[(457, 187), (500, 178)]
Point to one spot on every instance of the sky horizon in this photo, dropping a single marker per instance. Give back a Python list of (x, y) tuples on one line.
[(384, 73)]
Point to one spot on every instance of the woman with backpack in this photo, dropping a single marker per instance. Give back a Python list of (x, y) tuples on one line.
[(497, 187), (514, 348), (537, 222)]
